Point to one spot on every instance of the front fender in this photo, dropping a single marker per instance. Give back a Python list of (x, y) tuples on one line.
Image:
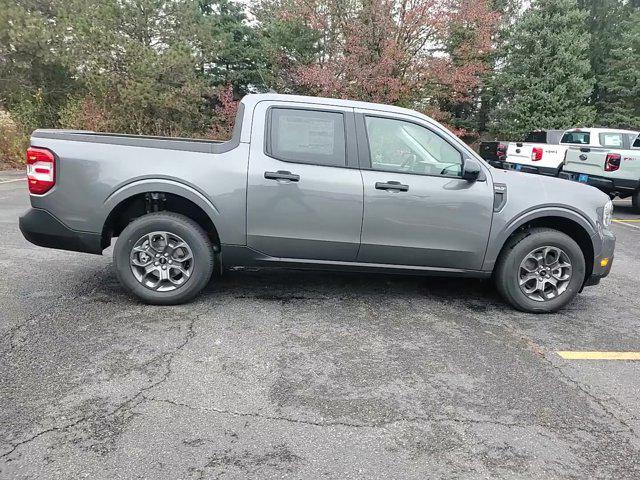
[(502, 229)]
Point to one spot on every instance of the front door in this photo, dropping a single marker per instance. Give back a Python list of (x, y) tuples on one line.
[(418, 210), (305, 195)]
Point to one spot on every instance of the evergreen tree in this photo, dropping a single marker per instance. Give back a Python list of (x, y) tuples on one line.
[(619, 102), (545, 80), (604, 19)]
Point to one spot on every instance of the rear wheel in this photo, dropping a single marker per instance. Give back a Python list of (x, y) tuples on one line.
[(540, 270), (164, 258), (635, 201)]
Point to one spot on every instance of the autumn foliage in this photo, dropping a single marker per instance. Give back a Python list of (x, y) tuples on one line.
[(424, 54)]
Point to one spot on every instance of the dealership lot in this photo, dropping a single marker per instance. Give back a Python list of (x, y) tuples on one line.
[(299, 375)]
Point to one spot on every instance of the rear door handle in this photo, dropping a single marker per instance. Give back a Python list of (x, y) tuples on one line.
[(282, 175), (392, 185)]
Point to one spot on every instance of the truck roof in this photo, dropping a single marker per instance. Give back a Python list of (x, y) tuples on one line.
[(602, 130), (253, 98), (249, 102)]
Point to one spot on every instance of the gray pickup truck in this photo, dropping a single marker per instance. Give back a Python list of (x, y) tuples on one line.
[(314, 183)]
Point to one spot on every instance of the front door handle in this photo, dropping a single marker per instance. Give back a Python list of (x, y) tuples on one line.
[(282, 175), (392, 185)]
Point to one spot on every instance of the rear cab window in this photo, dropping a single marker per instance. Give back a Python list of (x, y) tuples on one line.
[(538, 136), (307, 136), (576, 138)]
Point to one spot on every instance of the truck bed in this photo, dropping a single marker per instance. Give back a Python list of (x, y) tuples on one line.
[(169, 143), (94, 169)]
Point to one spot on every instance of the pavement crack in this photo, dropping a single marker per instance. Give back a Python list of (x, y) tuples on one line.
[(127, 404), (593, 397), (384, 424), (15, 446), (542, 353)]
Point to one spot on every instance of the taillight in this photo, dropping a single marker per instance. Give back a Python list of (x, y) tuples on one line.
[(536, 154), (501, 150), (612, 162), (41, 170)]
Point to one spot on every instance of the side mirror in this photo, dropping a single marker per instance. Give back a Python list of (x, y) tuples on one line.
[(471, 170)]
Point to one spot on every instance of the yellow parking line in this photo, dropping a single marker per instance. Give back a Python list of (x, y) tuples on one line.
[(567, 355), (622, 220), (631, 225)]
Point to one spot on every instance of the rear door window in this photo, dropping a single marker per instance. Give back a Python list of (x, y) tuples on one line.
[(611, 139), (307, 136), (636, 143), (577, 138)]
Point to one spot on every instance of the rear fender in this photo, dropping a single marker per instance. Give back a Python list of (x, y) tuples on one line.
[(164, 186)]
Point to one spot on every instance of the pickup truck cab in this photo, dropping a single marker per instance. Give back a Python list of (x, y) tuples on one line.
[(539, 152), (614, 169), (314, 183)]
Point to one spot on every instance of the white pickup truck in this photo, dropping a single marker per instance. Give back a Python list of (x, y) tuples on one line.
[(614, 170), (539, 152), (537, 156)]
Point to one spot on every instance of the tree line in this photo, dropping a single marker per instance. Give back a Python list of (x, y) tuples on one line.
[(485, 68)]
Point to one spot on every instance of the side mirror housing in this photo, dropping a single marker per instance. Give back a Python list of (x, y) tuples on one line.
[(472, 171)]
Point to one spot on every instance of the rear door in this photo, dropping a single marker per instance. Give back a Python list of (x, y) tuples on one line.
[(418, 210), (304, 192)]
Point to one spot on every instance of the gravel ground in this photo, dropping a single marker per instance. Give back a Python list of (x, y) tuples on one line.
[(286, 374)]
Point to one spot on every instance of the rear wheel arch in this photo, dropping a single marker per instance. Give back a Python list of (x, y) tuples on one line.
[(126, 208)]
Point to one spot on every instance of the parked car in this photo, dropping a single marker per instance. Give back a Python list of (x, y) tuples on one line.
[(539, 152), (614, 170), (494, 152), (314, 183)]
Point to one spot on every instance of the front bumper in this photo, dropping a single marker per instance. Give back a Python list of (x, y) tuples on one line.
[(553, 172), (607, 250), (41, 228)]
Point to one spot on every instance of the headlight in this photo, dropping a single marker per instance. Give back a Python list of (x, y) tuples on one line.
[(607, 213)]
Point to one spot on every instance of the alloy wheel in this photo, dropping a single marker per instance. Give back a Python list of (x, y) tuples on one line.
[(161, 261), (545, 273)]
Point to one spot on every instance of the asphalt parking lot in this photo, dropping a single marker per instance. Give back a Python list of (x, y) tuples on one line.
[(303, 375)]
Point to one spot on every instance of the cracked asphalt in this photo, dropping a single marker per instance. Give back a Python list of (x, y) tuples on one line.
[(286, 374)]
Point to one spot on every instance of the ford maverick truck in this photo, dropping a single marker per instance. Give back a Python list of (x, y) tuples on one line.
[(314, 183)]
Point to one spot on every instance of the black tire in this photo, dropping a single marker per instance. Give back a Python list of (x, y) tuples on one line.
[(186, 229), (635, 201), (506, 273)]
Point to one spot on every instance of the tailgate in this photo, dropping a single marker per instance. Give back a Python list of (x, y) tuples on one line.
[(588, 160), (519, 153), (552, 155)]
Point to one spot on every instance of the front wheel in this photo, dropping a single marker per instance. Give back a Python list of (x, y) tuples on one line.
[(164, 258), (540, 270)]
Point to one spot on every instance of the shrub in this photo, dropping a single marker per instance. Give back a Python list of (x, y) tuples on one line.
[(13, 142)]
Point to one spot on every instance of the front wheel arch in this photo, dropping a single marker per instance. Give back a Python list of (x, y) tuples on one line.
[(566, 225)]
